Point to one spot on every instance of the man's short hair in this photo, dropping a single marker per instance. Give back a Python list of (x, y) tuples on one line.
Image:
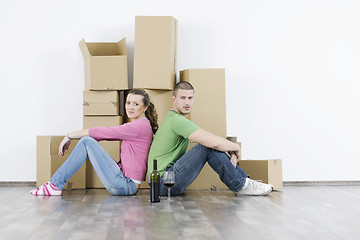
[(182, 85)]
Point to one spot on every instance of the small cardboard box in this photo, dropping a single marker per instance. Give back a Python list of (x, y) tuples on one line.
[(111, 147), (105, 65), (48, 161), (155, 52), (268, 171), (101, 103), (210, 98), (207, 179), (144, 185), (162, 99)]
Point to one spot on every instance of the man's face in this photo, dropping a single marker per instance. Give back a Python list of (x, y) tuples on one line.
[(183, 101)]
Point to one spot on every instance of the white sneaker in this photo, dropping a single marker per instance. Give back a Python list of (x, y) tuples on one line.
[(256, 188)]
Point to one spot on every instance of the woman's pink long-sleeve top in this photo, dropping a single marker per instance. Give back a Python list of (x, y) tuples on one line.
[(136, 139)]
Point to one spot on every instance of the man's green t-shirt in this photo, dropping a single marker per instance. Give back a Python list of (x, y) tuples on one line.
[(170, 141)]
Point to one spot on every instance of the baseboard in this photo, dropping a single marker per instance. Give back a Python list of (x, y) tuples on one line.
[(286, 183), (17, 184), (321, 183)]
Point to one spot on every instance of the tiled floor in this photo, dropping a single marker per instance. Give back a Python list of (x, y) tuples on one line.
[(296, 212)]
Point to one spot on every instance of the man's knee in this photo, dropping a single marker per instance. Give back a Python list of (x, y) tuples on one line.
[(210, 150), (200, 147)]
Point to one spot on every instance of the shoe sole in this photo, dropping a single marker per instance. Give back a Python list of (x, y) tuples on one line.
[(263, 194), (266, 193)]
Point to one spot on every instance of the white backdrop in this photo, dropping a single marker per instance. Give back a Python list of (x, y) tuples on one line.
[(292, 74)]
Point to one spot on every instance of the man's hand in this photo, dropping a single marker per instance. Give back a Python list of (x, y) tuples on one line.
[(237, 154), (64, 145), (233, 158)]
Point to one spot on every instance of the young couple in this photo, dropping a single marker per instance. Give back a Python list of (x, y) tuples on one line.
[(169, 147)]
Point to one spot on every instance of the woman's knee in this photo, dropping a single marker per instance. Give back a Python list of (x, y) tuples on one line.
[(121, 192), (86, 139)]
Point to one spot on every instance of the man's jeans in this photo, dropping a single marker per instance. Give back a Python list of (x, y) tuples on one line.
[(105, 167), (188, 167)]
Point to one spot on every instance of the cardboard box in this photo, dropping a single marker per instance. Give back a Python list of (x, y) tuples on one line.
[(210, 98), (144, 185), (102, 121), (162, 99), (48, 161), (207, 179), (101, 103), (155, 52), (111, 147), (269, 171), (105, 65)]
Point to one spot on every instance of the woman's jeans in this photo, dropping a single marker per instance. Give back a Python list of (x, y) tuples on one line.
[(105, 167), (188, 167)]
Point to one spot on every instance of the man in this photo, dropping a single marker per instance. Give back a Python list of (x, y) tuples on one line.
[(171, 142)]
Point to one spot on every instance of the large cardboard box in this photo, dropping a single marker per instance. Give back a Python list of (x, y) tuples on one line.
[(101, 103), (268, 171), (162, 99), (105, 65), (111, 147), (207, 179), (210, 98), (155, 52), (48, 161)]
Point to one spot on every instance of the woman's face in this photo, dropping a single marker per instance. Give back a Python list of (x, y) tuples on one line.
[(134, 106)]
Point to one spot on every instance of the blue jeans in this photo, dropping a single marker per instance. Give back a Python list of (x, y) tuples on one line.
[(188, 167), (105, 167)]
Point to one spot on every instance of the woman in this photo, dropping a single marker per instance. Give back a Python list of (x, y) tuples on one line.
[(119, 178)]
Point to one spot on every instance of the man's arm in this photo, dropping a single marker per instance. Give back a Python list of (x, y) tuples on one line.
[(211, 140)]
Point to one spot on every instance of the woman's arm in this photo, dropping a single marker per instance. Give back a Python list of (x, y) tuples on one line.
[(78, 134), (65, 143)]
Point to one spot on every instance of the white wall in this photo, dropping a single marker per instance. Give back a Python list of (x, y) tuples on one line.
[(292, 74)]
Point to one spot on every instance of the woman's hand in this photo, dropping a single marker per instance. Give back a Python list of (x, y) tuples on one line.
[(64, 145)]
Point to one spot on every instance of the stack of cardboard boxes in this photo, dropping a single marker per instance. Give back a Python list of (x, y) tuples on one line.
[(155, 50), (209, 113), (155, 61), (106, 80)]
